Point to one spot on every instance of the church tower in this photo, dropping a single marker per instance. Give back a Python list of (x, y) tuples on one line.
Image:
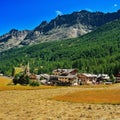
[(27, 69)]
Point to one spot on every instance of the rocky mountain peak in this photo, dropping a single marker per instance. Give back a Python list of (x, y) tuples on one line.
[(12, 39), (13, 31), (60, 28), (41, 26)]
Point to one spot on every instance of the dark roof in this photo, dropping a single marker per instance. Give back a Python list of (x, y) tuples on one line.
[(68, 76)]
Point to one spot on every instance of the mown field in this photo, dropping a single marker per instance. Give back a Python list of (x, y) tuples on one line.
[(5, 81), (89, 94), (102, 96), (59, 103), (6, 84)]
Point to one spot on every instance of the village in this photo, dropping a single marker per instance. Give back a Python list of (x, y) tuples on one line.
[(68, 77)]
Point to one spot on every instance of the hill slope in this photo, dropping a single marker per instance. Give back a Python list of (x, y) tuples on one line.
[(62, 27), (95, 52)]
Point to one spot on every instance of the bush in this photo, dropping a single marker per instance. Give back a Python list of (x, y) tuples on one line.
[(34, 83), (16, 79), (21, 79), (24, 80), (112, 78)]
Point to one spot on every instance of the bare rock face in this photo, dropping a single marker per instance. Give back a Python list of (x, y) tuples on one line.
[(69, 26), (62, 27), (12, 39)]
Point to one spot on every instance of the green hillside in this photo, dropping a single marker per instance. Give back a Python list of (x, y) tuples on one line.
[(96, 52)]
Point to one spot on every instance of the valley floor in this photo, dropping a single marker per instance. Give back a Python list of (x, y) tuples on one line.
[(38, 105)]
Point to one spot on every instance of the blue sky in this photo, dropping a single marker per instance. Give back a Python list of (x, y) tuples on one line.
[(27, 14)]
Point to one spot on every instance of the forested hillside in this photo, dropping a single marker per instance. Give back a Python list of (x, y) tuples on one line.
[(95, 52)]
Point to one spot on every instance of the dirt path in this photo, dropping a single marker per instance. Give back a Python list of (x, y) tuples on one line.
[(37, 105)]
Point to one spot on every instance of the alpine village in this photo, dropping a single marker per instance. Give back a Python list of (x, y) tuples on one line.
[(64, 69), (82, 48)]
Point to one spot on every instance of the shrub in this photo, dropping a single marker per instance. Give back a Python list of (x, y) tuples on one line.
[(113, 80), (21, 79), (16, 79), (24, 80), (34, 83)]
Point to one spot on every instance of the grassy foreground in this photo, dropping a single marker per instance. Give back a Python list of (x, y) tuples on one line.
[(4, 81), (85, 94), (4, 85), (101, 96), (19, 87)]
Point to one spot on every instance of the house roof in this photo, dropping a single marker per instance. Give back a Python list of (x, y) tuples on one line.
[(68, 76), (105, 76), (64, 70), (89, 75)]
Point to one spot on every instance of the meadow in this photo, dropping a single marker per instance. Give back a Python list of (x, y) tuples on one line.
[(101, 96), (59, 103), (6, 84), (5, 81)]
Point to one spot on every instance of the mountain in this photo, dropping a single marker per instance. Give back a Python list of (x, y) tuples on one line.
[(94, 52), (61, 28), (12, 39), (69, 26)]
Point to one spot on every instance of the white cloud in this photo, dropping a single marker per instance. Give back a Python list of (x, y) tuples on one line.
[(88, 9), (58, 12), (115, 5)]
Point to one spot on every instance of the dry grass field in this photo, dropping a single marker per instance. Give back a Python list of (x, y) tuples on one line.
[(41, 104), (5, 85), (4, 81), (103, 96)]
